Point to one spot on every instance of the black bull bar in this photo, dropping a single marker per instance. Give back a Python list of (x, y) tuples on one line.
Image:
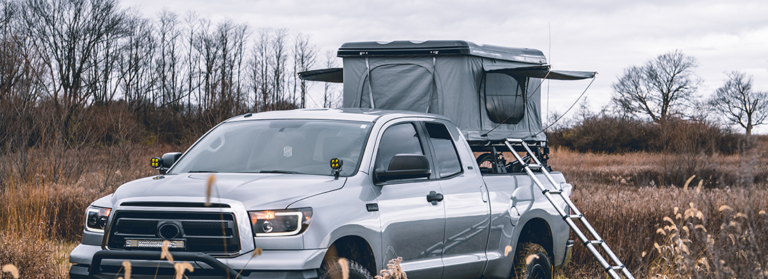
[(145, 255)]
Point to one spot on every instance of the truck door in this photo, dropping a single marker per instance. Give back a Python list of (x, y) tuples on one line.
[(412, 227), (466, 206)]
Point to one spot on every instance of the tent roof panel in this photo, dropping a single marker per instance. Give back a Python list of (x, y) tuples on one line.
[(542, 71), (438, 48), (328, 75)]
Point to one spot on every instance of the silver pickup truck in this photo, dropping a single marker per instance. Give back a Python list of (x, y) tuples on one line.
[(310, 186)]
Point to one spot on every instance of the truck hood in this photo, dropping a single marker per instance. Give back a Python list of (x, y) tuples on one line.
[(255, 191)]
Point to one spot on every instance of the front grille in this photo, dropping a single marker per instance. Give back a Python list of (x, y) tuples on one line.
[(213, 233)]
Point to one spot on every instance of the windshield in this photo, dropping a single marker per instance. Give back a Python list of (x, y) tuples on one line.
[(278, 146)]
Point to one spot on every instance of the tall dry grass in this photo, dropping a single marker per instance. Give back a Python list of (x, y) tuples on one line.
[(629, 208), (44, 194)]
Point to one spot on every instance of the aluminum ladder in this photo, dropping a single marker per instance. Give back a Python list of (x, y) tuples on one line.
[(591, 245)]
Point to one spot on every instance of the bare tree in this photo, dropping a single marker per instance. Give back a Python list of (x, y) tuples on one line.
[(135, 62), (259, 71), (664, 86), (192, 61), (279, 61), (70, 32), (169, 60), (328, 92), (739, 104), (304, 58), (209, 48)]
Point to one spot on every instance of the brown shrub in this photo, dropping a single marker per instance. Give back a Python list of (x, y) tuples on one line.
[(32, 255), (609, 134), (649, 169)]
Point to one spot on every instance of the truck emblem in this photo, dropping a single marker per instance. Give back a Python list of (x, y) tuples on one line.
[(287, 151), (168, 231)]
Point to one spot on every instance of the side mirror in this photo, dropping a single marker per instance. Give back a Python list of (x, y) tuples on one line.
[(405, 166), (163, 164)]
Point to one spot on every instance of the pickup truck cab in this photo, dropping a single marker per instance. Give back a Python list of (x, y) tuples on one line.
[(310, 186)]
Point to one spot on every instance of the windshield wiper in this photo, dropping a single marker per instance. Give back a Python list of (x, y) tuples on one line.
[(278, 171), (201, 171)]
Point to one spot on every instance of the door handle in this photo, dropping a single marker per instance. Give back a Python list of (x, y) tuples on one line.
[(434, 197)]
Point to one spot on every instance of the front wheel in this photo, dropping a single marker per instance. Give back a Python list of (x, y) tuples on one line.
[(532, 262), (335, 270)]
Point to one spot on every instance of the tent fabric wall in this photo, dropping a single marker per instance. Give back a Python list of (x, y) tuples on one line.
[(446, 85)]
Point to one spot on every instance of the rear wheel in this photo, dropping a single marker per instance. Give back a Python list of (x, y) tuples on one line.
[(532, 262), (335, 270)]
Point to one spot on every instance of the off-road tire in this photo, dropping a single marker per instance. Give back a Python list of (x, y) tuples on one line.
[(537, 267), (333, 270)]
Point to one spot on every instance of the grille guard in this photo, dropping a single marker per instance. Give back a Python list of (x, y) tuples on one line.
[(143, 255)]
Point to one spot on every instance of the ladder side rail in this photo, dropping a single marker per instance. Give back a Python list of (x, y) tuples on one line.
[(590, 246), (597, 238), (543, 170), (614, 258), (538, 183), (551, 179)]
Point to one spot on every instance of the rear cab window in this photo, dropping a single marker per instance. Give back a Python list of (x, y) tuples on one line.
[(448, 163)]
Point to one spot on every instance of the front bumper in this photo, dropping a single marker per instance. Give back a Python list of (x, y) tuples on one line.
[(145, 264)]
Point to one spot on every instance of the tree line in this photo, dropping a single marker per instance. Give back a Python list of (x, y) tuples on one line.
[(76, 71)]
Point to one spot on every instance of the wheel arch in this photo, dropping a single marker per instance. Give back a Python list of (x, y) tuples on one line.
[(537, 230), (355, 248)]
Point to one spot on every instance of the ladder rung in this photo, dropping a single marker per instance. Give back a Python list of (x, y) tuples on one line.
[(556, 192), (615, 267), (534, 166), (515, 140), (574, 216), (593, 242)]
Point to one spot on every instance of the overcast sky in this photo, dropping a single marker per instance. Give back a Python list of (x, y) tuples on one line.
[(606, 36)]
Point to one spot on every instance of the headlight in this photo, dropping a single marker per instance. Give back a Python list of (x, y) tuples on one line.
[(280, 222), (96, 218)]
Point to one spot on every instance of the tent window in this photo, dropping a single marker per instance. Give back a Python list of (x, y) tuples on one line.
[(504, 98), (399, 87)]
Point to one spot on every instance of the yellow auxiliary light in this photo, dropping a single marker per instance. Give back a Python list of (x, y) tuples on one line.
[(156, 162), (336, 167), (336, 163)]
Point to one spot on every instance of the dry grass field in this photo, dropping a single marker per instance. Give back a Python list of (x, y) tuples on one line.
[(716, 230)]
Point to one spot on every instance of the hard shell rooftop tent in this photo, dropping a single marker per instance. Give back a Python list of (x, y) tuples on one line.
[(490, 92)]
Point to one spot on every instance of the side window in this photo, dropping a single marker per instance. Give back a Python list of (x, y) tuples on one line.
[(447, 158), (397, 139)]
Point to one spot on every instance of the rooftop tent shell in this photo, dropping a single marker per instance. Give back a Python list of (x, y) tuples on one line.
[(490, 92)]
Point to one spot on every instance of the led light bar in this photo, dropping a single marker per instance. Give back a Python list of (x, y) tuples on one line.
[(154, 243)]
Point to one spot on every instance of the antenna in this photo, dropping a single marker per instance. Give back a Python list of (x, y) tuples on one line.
[(549, 54)]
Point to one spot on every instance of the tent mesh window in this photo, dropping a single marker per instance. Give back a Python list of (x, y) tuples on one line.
[(504, 98), (390, 82)]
